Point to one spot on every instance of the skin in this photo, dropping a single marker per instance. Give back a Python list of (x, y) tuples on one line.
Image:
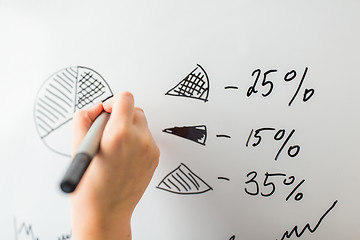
[(103, 203)]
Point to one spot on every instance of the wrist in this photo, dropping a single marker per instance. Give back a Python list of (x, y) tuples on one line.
[(97, 224)]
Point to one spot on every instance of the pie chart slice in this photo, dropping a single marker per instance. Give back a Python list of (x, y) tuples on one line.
[(63, 93), (183, 181), (194, 85)]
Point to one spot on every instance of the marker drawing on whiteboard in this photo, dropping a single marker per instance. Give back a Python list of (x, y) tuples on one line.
[(308, 93), (65, 237), (292, 151), (223, 136), (196, 134), (253, 187), (231, 87), (268, 83), (183, 181), (298, 234), (224, 178), (89, 89), (194, 85), (63, 93), (24, 230), (297, 196)]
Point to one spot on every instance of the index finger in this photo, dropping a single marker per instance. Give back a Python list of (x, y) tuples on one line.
[(121, 107), (82, 121)]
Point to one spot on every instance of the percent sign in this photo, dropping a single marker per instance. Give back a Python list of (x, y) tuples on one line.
[(308, 93), (289, 76), (293, 150), (298, 196)]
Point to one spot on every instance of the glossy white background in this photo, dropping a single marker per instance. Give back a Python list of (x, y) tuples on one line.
[(147, 47)]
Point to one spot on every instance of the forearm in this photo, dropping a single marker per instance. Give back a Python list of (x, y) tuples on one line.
[(112, 227)]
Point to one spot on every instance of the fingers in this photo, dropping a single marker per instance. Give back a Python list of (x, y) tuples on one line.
[(82, 121), (139, 118), (123, 111), (121, 107)]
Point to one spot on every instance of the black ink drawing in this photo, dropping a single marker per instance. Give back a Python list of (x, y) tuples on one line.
[(60, 96), (231, 87), (194, 85), (24, 230), (232, 237), (196, 134), (224, 178), (183, 181), (269, 182), (292, 150), (288, 234), (65, 236), (269, 84), (223, 136)]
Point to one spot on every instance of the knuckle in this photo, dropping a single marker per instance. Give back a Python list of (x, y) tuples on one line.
[(145, 142), (150, 149), (139, 109), (122, 133), (126, 96), (117, 136)]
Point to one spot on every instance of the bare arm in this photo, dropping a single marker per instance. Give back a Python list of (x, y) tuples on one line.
[(103, 203)]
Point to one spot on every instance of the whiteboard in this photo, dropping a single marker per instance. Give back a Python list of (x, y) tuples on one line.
[(254, 106)]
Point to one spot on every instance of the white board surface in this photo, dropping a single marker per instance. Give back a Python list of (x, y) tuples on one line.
[(250, 165)]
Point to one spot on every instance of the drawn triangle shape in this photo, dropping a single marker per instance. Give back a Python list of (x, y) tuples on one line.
[(196, 134), (183, 181), (194, 85)]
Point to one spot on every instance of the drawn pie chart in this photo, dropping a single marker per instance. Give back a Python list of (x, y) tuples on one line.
[(62, 94)]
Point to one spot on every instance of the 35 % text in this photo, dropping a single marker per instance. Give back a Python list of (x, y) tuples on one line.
[(268, 186)]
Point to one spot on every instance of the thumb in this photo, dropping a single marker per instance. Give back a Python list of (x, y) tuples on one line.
[(82, 121)]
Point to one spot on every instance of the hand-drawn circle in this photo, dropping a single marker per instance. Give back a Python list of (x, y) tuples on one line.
[(63, 93)]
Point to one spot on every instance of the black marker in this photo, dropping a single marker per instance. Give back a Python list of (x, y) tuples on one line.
[(85, 153)]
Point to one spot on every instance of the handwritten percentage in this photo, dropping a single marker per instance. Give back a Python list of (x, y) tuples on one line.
[(298, 196), (263, 79), (308, 93), (268, 186), (293, 150)]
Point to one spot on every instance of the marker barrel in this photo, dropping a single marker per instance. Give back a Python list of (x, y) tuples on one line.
[(88, 148), (75, 172)]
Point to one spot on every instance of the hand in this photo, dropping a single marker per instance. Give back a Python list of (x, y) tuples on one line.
[(118, 175)]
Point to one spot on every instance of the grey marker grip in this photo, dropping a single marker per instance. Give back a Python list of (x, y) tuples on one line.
[(85, 153), (75, 172)]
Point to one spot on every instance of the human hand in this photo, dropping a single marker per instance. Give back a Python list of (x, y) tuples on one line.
[(118, 175)]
